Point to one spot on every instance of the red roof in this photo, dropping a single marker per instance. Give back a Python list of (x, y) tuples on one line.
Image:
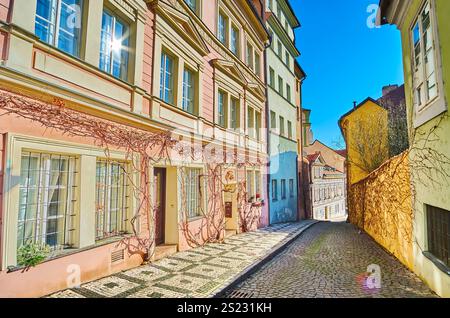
[(313, 157), (342, 152)]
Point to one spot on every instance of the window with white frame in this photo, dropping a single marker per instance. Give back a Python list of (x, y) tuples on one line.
[(47, 195), (424, 70), (188, 102), (258, 193), (59, 23), (289, 124), (257, 64), (222, 28), (282, 131), (271, 77), (273, 120), (250, 186), (280, 86), (114, 45), (221, 109), (192, 184), (288, 92), (258, 125), (280, 49), (234, 43), (251, 122), (167, 78), (250, 57), (287, 59), (234, 113), (112, 199)]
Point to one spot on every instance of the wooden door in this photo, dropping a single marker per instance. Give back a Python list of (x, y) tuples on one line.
[(160, 205)]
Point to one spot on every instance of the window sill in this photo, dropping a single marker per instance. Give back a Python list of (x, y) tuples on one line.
[(71, 251), (177, 109), (439, 264), (78, 61), (195, 218), (427, 113)]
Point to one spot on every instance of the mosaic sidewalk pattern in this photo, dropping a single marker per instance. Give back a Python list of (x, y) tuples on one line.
[(198, 273)]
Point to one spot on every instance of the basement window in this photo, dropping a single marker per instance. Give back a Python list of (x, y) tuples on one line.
[(438, 234)]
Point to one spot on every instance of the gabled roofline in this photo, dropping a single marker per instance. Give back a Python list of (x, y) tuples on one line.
[(334, 150), (368, 99)]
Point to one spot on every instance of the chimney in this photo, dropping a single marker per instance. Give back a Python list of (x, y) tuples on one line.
[(355, 103), (388, 89)]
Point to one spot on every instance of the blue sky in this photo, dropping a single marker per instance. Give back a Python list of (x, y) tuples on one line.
[(344, 59)]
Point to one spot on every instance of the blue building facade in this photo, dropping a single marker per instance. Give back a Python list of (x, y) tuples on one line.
[(282, 112)]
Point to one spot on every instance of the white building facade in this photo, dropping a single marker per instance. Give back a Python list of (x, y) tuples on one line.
[(327, 191)]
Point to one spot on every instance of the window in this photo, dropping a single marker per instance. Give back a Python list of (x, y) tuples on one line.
[(280, 49), (288, 92), (291, 188), (274, 190), (234, 110), (250, 186), (425, 57), (222, 28), (287, 59), (280, 85), (250, 61), (257, 64), (283, 189), (192, 182), (438, 233), (251, 122), (166, 78), (258, 185), (58, 23), (258, 125), (221, 109), (188, 91), (271, 77), (111, 199), (278, 11), (192, 4), (114, 46), (273, 120), (234, 40), (47, 196), (270, 5), (289, 124), (286, 26), (282, 132)]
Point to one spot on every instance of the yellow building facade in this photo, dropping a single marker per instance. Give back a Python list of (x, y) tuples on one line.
[(365, 130)]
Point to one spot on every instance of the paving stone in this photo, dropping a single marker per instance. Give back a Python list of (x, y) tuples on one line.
[(331, 260), (199, 272)]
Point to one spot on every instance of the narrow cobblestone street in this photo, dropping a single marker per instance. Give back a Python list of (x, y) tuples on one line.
[(197, 273), (330, 260)]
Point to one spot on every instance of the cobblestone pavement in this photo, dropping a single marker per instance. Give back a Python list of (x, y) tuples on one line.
[(197, 273), (331, 260)]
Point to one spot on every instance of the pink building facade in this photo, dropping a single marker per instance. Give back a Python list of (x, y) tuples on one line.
[(94, 117)]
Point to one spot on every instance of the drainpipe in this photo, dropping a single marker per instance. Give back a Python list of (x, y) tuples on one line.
[(269, 200)]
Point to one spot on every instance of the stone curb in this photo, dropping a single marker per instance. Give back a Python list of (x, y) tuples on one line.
[(280, 247)]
